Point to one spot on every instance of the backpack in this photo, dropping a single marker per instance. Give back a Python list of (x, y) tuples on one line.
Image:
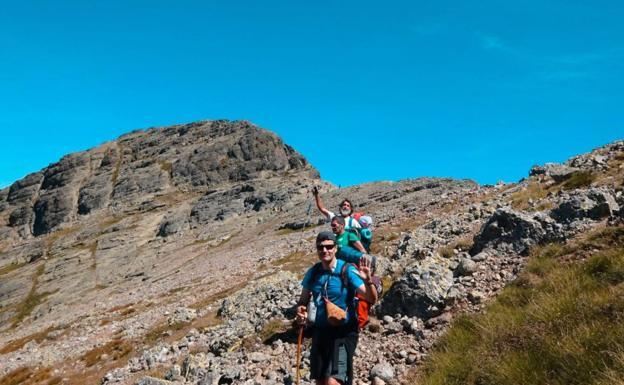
[(360, 305), (364, 233)]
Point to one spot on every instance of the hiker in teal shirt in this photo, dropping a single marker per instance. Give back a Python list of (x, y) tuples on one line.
[(332, 282)]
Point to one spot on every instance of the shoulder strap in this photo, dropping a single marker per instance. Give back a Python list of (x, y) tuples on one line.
[(317, 270), (343, 272)]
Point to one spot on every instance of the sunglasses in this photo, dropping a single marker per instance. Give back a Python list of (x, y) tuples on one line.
[(325, 247)]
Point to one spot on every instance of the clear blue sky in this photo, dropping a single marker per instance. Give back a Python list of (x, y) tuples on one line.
[(479, 90)]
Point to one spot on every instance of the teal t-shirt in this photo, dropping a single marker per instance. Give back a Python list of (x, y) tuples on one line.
[(323, 283)]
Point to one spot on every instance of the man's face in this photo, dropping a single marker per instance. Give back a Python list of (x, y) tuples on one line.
[(326, 250), (345, 209), (337, 228)]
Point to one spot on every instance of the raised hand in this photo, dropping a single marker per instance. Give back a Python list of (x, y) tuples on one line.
[(365, 268)]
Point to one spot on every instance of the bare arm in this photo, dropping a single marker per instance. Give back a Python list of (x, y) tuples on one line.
[(358, 245), (319, 202)]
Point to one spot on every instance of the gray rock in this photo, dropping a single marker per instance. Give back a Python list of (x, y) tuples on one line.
[(95, 194), (480, 257), (259, 357), (52, 209), (442, 319), (174, 373), (394, 327), (153, 381), (177, 223), (21, 216), (420, 292), (378, 381), (476, 296), (466, 267), (26, 189), (182, 314), (594, 203), (558, 172), (516, 230), (382, 370)]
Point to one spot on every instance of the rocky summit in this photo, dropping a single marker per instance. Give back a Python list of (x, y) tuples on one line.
[(173, 256)]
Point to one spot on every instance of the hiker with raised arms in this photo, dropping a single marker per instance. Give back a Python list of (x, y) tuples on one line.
[(345, 210), (329, 289)]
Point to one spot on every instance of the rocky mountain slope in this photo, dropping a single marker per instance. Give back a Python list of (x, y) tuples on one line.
[(173, 254)]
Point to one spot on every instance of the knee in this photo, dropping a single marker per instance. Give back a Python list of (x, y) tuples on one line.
[(333, 381)]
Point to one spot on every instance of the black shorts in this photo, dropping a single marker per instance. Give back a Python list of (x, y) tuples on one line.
[(332, 353)]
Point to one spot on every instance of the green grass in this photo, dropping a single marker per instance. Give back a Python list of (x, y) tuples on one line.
[(559, 323), (32, 300)]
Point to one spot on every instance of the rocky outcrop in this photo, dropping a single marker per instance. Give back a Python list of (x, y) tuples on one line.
[(421, 291), (558, 172), (593, 203), (511, 231), (120, 175)]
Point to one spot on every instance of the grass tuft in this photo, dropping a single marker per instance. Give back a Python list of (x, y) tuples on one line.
[(115, 350), (10, 267), (579, 179), (32, 300), (463, 244)]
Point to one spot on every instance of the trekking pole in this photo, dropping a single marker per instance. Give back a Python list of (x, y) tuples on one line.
[(299, 338)]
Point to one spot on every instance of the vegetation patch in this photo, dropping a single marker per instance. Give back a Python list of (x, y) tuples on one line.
[(121, 307), (10, 267), (20, 342), (531, 197), (286, 230), (534, 191), (166, 167), (32, 300), (158, 332), (296, 261), (271, 328), (560, 322), (29, 376), (113, 350), (462, 244), (579, 179)]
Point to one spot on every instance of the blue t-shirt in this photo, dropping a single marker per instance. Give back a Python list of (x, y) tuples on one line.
[(330, 284)]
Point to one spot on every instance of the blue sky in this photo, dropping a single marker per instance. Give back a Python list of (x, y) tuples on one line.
[(365, 91)]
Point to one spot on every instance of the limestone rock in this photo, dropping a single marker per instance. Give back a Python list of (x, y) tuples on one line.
[(421, 291), (25, 189), (594, 203), (516, 230), (382, 370), (558, 172)]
